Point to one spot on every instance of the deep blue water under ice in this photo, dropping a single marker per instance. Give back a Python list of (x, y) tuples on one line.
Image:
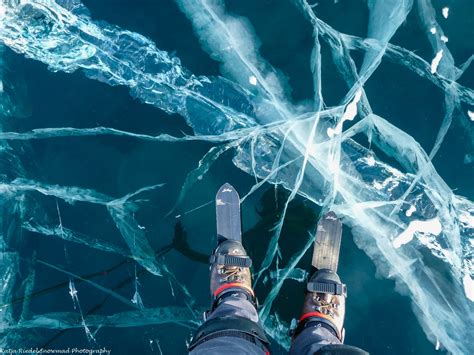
[(84, 268)]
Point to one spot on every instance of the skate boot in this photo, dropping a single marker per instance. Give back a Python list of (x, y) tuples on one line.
[(325, 302)]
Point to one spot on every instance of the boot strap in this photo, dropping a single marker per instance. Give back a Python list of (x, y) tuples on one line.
[(230, 260), (332, 288)]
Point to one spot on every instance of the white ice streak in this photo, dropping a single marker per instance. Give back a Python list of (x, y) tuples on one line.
[(75, 237), (121, 211), (385, 17), (231, 41), (137, 318), (77, 305), (167, 85)]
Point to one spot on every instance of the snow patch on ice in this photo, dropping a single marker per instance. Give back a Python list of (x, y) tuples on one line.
[(432, 226), (445, 12), (351, 109), (390, 181), (370, 160), (410, 211), (468, 283), (467, 220), (471, 115), (435, 61)]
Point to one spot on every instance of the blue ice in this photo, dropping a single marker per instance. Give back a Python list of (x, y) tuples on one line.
[(396, 215)]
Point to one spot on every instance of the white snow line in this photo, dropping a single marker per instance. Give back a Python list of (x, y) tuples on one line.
[(468, 283), (349, 113), (432, 226), (435, 61)]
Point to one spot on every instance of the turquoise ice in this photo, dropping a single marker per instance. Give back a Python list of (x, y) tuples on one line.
[(407, 220)]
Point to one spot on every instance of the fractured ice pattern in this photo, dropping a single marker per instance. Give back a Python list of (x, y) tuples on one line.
[(406, 221)]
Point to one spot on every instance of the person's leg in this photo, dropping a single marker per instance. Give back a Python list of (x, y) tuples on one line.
[(232, 324), (320, 327), (313, 338), (235, 307)]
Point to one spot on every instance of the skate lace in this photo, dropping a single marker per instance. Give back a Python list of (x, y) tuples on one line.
[(324, 306), (230, 274)]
